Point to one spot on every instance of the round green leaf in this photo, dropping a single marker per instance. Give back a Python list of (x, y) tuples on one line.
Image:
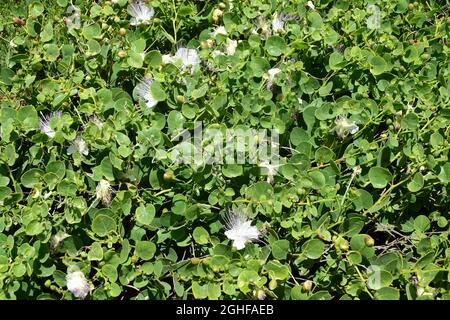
[(377, 65), (379, 177), (145, 215), (275, 45), (102, 225), (201, 236), (313, 248), (145, 249)]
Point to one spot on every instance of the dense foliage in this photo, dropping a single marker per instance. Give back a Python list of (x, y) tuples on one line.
[(359, 92)]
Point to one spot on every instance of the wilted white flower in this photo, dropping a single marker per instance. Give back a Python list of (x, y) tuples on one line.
[(277, 24), (344, 127), (310, 4), (264, 26), (216, 53), (78, 145), (189, 57), (373, 21), (74, 21), (271, 76), (167, 58), (260, 294), (240, 230), (230, 46), (97, 121), (77, 282), (143, 92), (140, 13), (270, 170), (219, 30), (44, 123), (57, 239), (12, 44), (104, 191)]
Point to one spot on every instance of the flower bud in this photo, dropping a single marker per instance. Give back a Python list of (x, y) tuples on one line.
[(217, 14), (273, 284), (180, 99), (168, 175), (368, 240), (307, 285)]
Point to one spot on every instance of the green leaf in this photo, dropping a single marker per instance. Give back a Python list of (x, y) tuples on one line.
[(36, 9), (387, 293), (145, 215), (135, 59), (102, 225), (379, 177), (313, 248), (154, 58), (34, 228), (258, 66), (410, 121), (378, 278), (157, 91), (416, 183), (335, 61), (275, 45), (91, 31), (411, 54), (280, 249), (96, 252), (444, 174), (31, 177), (377, 65), (277, 270), (421, 223), (199, 291), (232, 170), (145, 249), (315, 19), (201, 236), (324, 154), (110, 272)]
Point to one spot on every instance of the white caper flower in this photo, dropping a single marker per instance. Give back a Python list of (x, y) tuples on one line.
[(271, 76), (230, 46), (78, 145), (344, 127), (143, 92), (310, 4), (77, 282), (140, 13), (188, 57), (57, 239), (219, 30), (44, 123), (239, 229), (277, 23), (104, 191)]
